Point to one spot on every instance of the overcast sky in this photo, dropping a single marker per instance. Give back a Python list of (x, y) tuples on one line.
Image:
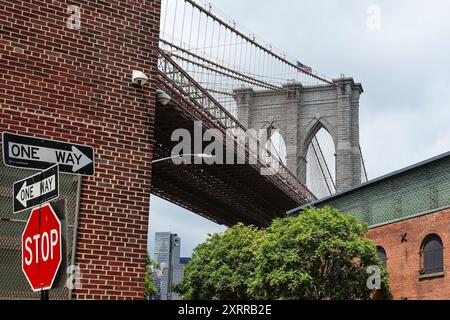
[(402, 63)]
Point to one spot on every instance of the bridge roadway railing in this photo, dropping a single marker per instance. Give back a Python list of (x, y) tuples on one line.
[(192, 97)]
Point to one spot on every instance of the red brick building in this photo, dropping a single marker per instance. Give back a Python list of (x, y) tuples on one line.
[(404, 244), (408, 214), (70, 81)]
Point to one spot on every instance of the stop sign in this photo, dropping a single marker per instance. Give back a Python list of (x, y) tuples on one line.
[(41, 248)]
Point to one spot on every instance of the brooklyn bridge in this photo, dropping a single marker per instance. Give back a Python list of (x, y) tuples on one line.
[(217, 73)]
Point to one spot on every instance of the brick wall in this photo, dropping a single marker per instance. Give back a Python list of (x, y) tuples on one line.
[(75, 85), (404, 260)]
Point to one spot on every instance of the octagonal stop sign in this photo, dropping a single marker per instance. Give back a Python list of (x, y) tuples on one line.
[(41, 248)]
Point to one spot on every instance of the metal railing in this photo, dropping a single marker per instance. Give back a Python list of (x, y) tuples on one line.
[(199, 102)]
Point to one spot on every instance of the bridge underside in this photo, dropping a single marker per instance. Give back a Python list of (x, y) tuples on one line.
[(226, 194)]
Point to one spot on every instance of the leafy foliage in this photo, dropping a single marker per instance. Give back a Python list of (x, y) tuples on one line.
[(150, 289), (221, 267), (318, 254)]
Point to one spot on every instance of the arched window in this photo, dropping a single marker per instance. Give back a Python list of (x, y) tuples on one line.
[(432, 255), (382, 254)]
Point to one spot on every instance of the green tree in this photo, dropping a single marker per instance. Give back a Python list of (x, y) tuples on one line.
[(318, 254), (221, 267), (150, 289)]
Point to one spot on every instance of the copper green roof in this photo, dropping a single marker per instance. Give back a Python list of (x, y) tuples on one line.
[(415, 190)]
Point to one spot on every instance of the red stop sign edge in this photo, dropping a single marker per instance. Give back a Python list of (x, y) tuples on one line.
[(60, 247)]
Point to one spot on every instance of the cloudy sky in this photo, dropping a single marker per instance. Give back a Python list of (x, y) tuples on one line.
[(402, 60)]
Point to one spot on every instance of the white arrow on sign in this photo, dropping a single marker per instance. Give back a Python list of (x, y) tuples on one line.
[(74, 158), (33, 191)]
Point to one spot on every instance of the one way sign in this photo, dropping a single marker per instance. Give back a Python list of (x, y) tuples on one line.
[(37, 189), (34, 153)]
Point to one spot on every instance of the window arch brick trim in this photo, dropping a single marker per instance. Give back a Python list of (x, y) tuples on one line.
[(432, 254)]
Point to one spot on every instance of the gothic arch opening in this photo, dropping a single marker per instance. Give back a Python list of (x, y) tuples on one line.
[(277, 146), (321, 164)]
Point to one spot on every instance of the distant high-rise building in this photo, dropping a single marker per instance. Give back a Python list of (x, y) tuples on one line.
[(178, 274), (167, 255), (157, 282), (162, 248)]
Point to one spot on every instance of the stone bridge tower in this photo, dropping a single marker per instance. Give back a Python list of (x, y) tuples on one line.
[(300, 112)]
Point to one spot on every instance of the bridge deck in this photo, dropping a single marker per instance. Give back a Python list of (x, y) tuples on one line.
[(228, 193)]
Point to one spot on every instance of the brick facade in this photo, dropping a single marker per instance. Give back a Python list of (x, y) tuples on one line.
[(75, 85), (404, 258)]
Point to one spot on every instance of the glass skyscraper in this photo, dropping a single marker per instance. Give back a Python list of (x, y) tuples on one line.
[(167, 255)]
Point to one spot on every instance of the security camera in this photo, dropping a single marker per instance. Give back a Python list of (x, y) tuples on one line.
[(162, 97), (139, 78)]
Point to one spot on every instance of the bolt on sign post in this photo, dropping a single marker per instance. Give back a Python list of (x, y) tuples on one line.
[(42, 248)]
